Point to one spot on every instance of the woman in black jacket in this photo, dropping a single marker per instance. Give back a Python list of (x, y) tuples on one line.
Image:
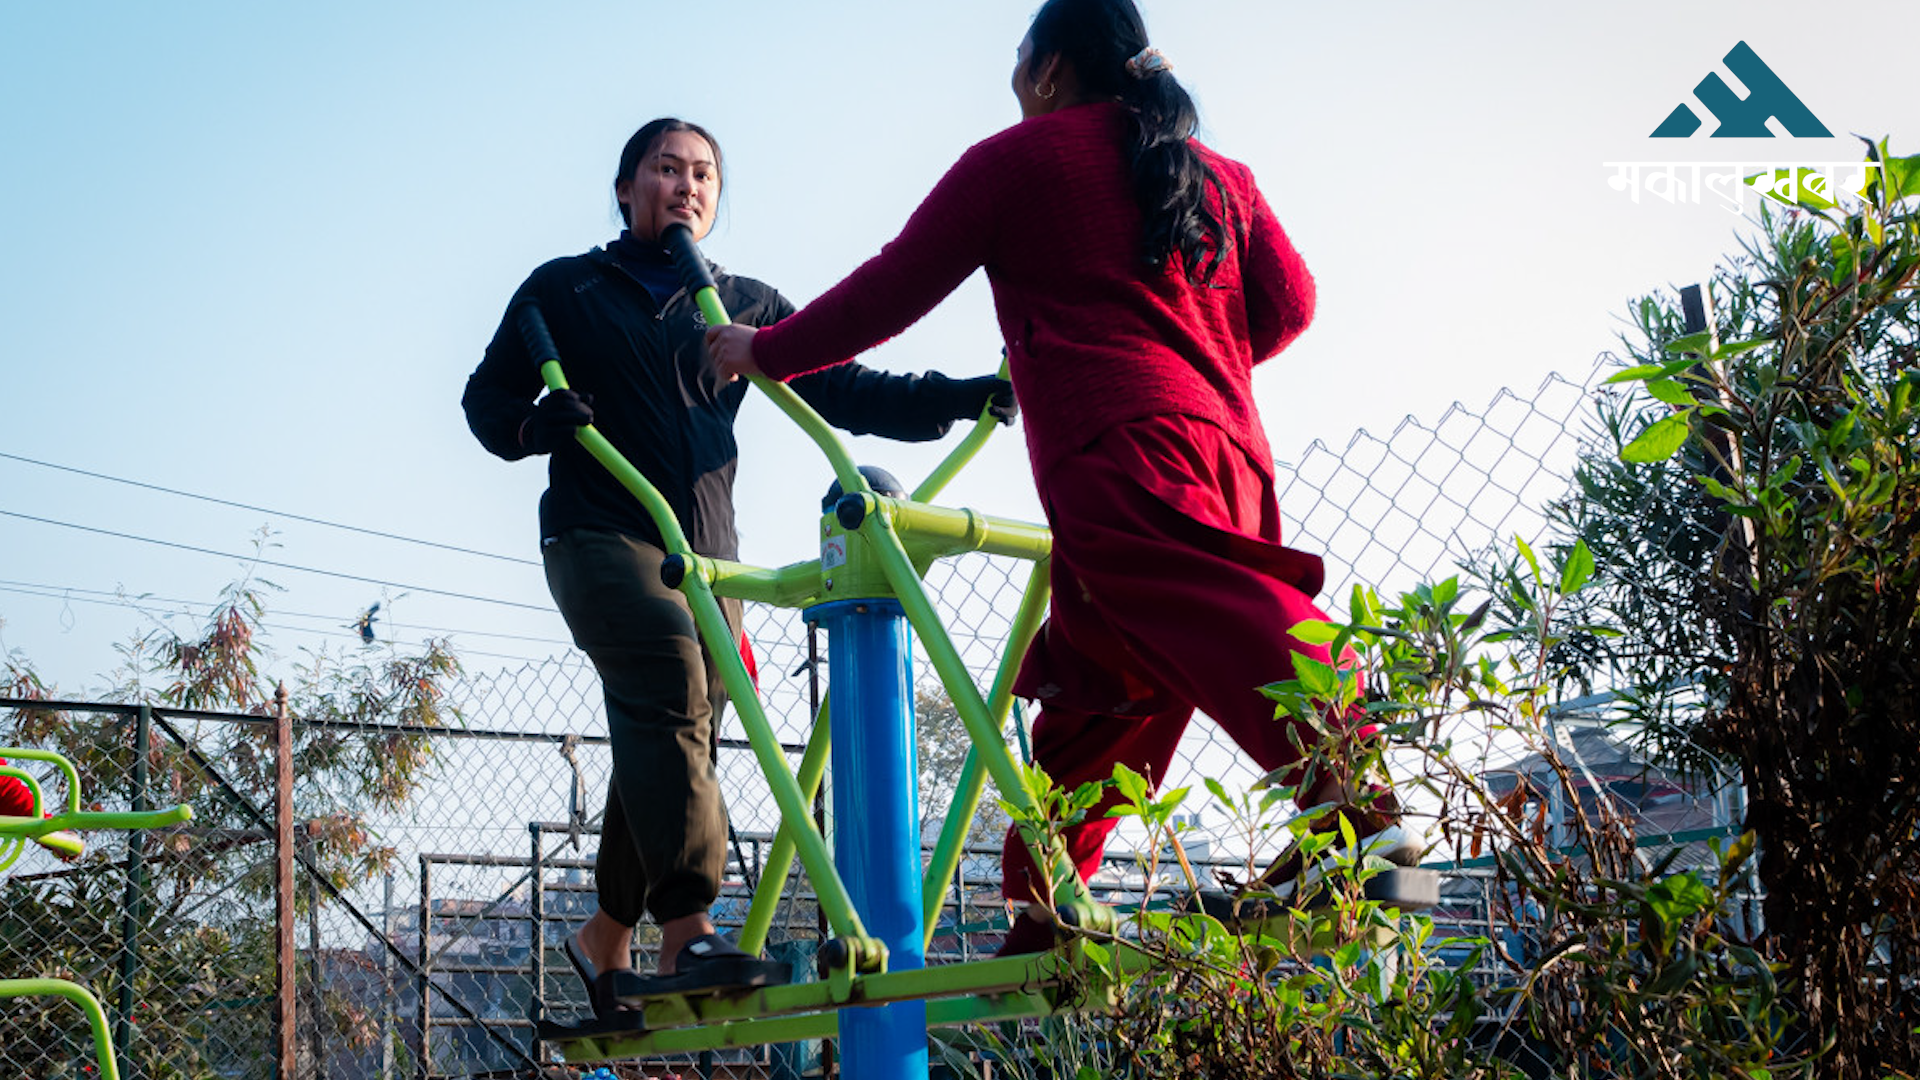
[(631, 340)]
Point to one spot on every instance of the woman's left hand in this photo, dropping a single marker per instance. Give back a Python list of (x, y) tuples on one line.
[(731, 350)]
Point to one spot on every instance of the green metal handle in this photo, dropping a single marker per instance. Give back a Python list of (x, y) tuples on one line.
[(36, 826), (679, 242), (21, 753), (630, 478), (79, 995), (983, 426)]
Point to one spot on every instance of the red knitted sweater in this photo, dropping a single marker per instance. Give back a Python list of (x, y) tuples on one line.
[(1094, 336)]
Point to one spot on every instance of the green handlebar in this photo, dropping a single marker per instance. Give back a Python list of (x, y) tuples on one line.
[(79, 995), (623, 471), (21, 753), (937, 480), (74, 817), (679, 242)]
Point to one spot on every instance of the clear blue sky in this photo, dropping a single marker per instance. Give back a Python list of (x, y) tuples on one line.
[(253, 252)]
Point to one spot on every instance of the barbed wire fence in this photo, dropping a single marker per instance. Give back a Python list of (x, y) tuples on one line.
[(437, 965)]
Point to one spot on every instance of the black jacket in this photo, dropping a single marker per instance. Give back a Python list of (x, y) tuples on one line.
[(657, 399)]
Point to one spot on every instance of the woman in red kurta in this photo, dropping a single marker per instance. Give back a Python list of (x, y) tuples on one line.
[(1138, 277)]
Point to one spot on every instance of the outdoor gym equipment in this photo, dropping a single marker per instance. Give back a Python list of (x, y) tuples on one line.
[(875, 995), (14, 834)]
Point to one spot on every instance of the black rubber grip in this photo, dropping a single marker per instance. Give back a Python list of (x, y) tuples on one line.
[(851, 511), (678, 240), (533, 330), (673, 571)]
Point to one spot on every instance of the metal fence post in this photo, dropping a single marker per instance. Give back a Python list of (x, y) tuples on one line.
[(131, 911), (426, 974), (388, 1028), (316, 970), (537, 947), (284, 1014)]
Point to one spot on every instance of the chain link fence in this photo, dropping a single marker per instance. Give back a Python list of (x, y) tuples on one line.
[(432, 957)]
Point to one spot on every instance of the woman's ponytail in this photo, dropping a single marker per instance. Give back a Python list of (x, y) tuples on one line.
[(1106, 41)]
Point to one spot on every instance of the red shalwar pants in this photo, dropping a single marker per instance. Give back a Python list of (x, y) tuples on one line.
[(1171, 592)]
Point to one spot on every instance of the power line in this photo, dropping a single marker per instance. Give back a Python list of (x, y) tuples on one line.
[(263, 510), (257, 560), (192, 608), (341, 633)]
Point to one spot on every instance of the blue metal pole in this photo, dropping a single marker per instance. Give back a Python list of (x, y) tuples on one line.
[(876, 821)]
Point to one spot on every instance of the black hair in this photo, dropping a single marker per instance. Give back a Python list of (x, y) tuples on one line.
[(1170, 179), (641, 142)]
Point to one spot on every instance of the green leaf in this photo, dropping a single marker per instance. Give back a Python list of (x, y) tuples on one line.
[(1697, 344), (1785, 474), (1660, 441), (1737, 348), (1903, 177), (1679, 896), (1874, 154), (1717, 489), (1670, 392), (1477, 616), (1526, 552), (1578, 569), (1364, 607), (1132, 785), (1317, 679), (1737, 854), (1313, 632), (1640, 372), (1901, 399), (1841, 251), (1171, 801), (1720, 418), (1842, 430)]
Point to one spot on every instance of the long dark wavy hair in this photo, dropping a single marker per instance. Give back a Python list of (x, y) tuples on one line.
[(1170, 179)]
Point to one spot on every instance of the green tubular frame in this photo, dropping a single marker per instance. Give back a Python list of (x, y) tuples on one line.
[(74, 818), (79, 995), (19, 830), (697, 583), (901, 538)]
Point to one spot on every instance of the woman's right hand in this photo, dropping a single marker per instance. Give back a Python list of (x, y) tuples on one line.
[(730, 348)]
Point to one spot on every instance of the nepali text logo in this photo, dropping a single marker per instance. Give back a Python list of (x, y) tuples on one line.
[(1744, 118)]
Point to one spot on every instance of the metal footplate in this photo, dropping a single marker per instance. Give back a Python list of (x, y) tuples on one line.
[(981, 991)]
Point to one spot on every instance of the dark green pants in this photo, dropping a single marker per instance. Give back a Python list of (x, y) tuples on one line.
[(663, 846)]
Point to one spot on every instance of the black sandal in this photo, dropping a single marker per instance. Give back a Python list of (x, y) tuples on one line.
[(601, 985), (709, 964)]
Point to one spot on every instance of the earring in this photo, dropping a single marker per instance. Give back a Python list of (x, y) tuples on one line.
[(1046, 93)]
